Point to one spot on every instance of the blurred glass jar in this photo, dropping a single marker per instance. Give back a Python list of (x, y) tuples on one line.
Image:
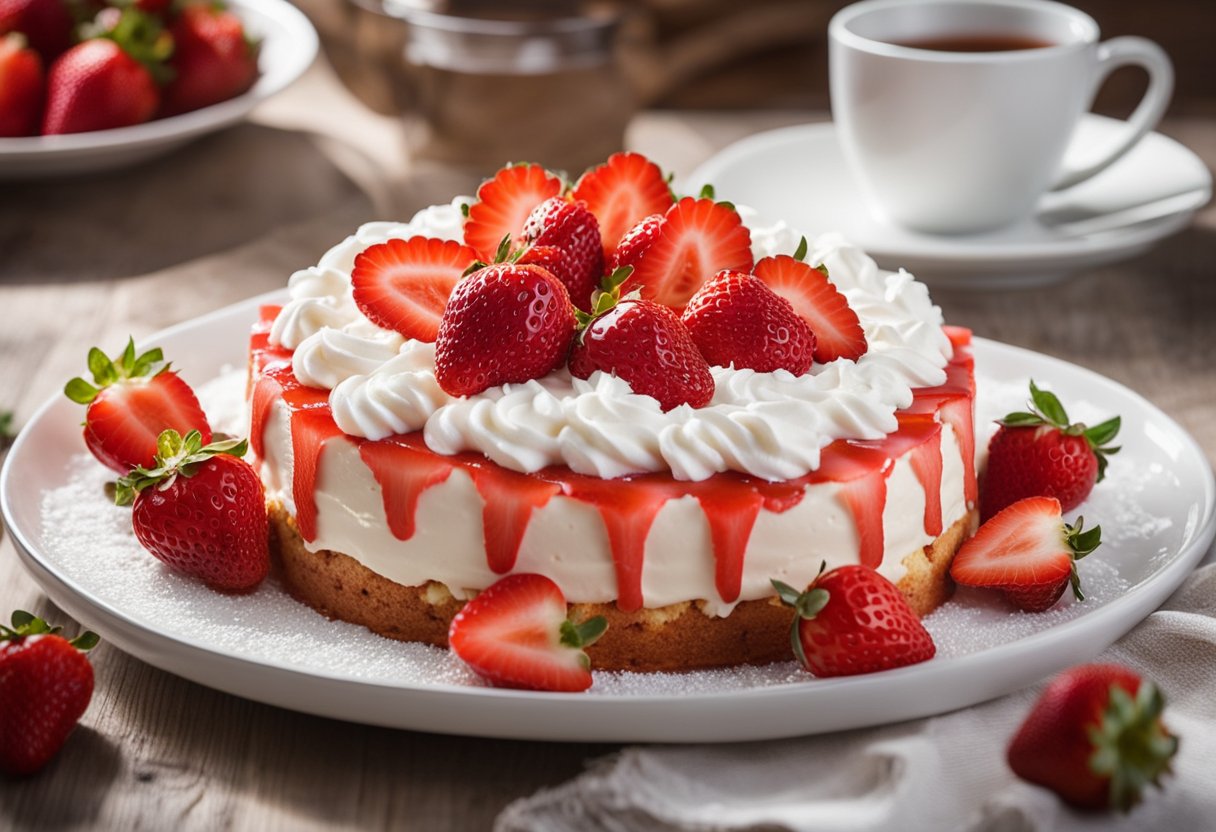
[(483, 82)]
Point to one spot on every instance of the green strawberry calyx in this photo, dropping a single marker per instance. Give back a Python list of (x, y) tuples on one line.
[(606, 297), (800, 255), (27, 624), (175, 456), (583, 634), (107, 371), (141, 35), (1080, 543), (1045, 410), (806, 606), (1131, 747)]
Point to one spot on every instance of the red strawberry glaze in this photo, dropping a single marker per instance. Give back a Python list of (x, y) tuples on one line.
[(403, 472), (731, 502)]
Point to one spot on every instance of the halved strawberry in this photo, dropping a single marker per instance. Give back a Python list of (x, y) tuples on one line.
[(621, 192), (1028, 553), (697, 239), (838, 333), (516, 634), (404, 285), (131, 401), (504, 204)]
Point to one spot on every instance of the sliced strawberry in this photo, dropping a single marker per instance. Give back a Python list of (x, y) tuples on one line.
[(516, 634), (404, 285), (131, 401), (837, 331), (698, 239), (1028, 553), (621, 192), (504, 204)]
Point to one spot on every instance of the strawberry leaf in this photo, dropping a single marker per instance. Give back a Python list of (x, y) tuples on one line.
[(175, 456), (583, 634), (1021, 419), (85, 641), (1048, 406), (707, 191), (800, 252)]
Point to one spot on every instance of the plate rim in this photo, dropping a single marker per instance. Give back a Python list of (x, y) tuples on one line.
[(1148, 594), (926, 250), (185, 125)]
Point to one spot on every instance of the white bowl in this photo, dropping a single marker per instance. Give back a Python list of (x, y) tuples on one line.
[(289, 45)]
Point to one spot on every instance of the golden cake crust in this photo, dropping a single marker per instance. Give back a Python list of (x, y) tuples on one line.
[(675, 637)]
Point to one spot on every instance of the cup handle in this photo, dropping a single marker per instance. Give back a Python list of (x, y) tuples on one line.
[(1113, 54)]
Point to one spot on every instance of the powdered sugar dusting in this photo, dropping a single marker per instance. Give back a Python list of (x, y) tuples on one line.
[(89, 541)]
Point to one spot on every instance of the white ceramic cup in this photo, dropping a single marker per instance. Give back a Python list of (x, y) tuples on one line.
[(956, 142)]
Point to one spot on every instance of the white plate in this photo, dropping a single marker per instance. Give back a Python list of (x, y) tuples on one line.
[(289, 45), (1157, 507), (799, 174)]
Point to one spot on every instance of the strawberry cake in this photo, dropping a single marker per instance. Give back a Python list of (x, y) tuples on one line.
[(683, 408)]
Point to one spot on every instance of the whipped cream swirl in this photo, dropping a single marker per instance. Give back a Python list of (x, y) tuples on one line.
[(770, 425)]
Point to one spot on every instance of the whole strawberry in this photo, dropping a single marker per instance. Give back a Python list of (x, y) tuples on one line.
[(1039, 453), (202, 511), (570, 227), (735, 319), (1095, 738), (132, 400), (1027, 553), (851, 620), (22, 87), (110, 80), (45, 686), (213, 59), (503, 323), (47, 24), (645, 344)]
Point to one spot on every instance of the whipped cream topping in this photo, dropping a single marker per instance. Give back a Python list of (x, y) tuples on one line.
[(769, 425)]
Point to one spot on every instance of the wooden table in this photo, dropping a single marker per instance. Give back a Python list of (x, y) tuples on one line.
[(86, 262)]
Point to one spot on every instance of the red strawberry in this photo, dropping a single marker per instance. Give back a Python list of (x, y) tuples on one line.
[(504, 323), (736, 319), (571, 227), (45, 684), (47, 24), (134, 400), (98, 85), (504, 204), (837, 331), (201, 511), (621, 192), (697, 239), (636, 241), (1028, 553), (22, 87), (404, 285), (516, 634), (1095, 738), (213, 59), (852, 620), (1040, 453), (645, 344)]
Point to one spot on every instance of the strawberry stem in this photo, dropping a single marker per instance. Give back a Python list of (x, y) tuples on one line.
[(1081, 543)]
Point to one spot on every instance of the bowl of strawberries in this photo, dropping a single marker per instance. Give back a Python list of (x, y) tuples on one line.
[(99, 84)]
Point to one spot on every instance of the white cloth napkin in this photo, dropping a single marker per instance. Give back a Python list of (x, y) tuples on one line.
[(942, 773)]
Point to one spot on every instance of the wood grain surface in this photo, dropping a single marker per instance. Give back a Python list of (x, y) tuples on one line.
[(87, 262)]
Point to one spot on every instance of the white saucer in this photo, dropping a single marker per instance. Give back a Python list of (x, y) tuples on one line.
[(1157, 506), (798, 174), (288, 47)]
